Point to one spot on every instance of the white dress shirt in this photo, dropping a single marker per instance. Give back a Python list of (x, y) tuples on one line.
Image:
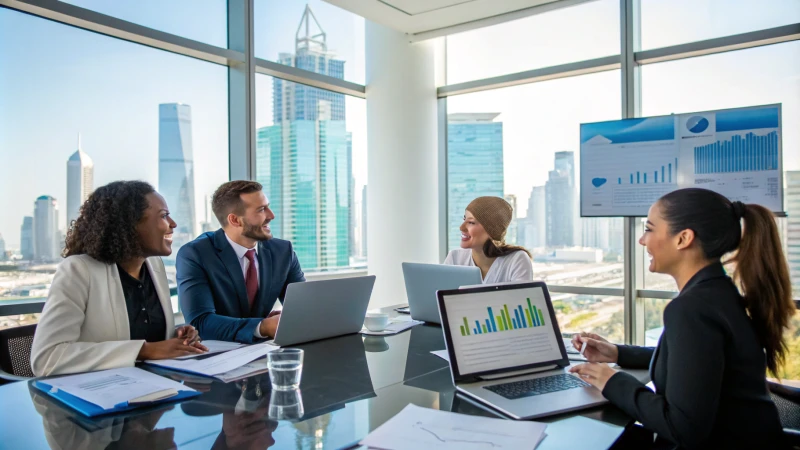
[(514, 267), (245, 264)]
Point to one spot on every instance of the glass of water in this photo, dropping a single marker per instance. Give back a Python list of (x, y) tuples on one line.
[(285, 367)]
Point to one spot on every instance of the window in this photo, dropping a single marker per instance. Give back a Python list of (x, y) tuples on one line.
[(673, 22), (521, 143), (566, 35), (311, 158), (205, 21), (601, 314), (80, 110), (311, 35)]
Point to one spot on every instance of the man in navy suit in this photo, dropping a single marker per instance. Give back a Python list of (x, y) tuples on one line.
[(229, 279)]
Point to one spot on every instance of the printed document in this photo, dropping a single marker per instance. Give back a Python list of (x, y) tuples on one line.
[(215, 347), (218, 364)]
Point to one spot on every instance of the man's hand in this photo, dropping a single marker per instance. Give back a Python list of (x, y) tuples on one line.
[(269, 326), (170, 348)]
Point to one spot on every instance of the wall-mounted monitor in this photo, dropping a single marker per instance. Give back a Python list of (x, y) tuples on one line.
[(626, 165)]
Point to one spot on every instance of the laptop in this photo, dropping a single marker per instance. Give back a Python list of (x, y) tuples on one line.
[(423, 280), (506, 351), (316, 310)]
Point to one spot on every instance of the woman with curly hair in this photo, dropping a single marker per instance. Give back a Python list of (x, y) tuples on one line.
[(109, 303)]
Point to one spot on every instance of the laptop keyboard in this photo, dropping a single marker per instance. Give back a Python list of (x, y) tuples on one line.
[(537, 386)]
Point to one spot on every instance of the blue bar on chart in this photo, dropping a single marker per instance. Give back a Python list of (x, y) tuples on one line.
[(751, 153), (619, 180)]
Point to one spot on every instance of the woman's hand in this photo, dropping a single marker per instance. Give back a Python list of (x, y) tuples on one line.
[(170, 348), (190, 336), (596, 374), (598, 349)]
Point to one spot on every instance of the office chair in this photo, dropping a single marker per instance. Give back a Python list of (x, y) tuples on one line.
[(15, 353), (787, 400)]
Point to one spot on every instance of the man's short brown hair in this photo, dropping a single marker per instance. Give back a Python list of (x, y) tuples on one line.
[(227, 198)]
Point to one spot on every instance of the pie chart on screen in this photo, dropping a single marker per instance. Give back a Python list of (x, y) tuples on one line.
[(697, 124)]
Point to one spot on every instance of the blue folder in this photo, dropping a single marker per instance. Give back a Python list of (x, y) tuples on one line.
[(91, 410)]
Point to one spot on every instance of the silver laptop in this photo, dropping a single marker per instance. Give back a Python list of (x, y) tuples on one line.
[(423, 280), (323, 309), (506, 351)]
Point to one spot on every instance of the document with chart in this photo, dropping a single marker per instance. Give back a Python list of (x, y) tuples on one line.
[(626, 165)]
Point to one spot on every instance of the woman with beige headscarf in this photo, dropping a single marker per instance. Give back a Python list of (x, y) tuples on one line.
[(483, 233)]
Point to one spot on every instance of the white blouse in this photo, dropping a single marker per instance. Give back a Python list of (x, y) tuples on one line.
[(514, 267)]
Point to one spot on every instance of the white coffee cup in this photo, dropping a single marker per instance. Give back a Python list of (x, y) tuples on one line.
[(376, 321)]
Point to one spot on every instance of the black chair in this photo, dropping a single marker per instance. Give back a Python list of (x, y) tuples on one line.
[(15, 353), (787, 400)]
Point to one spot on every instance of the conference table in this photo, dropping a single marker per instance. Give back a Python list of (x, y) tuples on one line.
[(350, 386)]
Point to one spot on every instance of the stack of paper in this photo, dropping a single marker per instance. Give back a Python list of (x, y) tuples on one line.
[(415, 428), (228, 366), (215, 347), (105, 391)]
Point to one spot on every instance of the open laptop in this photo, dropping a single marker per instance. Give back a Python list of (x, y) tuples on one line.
[(423, 280), (323, 309), (506, 351)]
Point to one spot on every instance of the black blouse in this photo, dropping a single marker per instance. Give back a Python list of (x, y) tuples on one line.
[(145, 314)]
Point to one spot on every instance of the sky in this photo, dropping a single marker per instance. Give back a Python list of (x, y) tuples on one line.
[(65, 81)]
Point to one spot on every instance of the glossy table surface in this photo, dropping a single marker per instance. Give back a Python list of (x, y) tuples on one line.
[(350, 386)]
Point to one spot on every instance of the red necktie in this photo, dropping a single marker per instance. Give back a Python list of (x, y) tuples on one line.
[(251, 279)]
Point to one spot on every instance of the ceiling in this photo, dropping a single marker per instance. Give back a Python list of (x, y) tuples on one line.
[(425, 19)]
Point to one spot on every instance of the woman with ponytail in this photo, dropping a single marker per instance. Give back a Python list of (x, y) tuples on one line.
[(483, 233), (721, 335)]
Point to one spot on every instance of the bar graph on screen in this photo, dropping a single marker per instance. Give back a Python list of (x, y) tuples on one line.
[(748, 153), (519, 317)]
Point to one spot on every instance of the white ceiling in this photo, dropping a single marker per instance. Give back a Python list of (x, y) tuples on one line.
[(424, 19)]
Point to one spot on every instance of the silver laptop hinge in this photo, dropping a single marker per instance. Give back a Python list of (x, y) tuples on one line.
[(517, 373)]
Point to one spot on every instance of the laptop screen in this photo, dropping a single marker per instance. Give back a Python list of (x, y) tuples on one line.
[(500, 329)]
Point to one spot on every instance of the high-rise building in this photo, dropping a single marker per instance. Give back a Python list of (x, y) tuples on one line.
[(616, 235), (596, 232), (474, 164), (535, 223), (2, 248), (305, 159), (176, 169), (26, 238), (560, 196), (792, 195), (46, 236), (364, 221), (80, 182)]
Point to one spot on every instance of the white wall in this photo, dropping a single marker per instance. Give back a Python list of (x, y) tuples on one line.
[(402, 198)]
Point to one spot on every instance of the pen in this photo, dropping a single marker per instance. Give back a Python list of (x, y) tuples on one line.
[(583, 347)]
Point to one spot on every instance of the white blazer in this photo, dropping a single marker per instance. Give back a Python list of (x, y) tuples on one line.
[(84, 325)]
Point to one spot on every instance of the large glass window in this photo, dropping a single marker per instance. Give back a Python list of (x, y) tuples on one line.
[(311, 158), (204, 21), (311, 35), (80, 110), (571, 34), (673, 22)]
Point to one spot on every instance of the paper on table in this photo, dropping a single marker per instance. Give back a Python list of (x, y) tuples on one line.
[(109, 388), (415, 427), (441, 354), (580, 432), (393, 328), (215, 347), (218, 364)]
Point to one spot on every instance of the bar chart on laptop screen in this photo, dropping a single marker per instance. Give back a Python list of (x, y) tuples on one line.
[(496, 330)]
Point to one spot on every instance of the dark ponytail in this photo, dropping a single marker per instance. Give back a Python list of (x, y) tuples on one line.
[(761, 271), (763, 277), (493, 249)]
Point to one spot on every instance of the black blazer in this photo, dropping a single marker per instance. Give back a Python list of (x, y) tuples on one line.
[(709, 370), (211, 287)]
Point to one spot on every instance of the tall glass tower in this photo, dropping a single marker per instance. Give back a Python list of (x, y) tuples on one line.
[(474, 165), (26, 238), (46, 237), (304, 160), (80, 182), (560, 201), (176, 169)]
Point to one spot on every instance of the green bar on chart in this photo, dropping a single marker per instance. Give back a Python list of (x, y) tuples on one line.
[(541, 318), (528, 315), (466, 326), (505, 320), (500, 323), (508, 316), (462, 330), (484, 328)]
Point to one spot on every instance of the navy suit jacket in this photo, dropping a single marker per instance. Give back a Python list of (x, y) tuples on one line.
[(211, 287)]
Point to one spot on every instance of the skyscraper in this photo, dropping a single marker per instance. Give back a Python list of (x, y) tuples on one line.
[(474, 164), (560, 201), (176, 169), (80, 182), (26, 238), (792, 195), (46, 236), (305, 159), (2, 248), (535, 223)]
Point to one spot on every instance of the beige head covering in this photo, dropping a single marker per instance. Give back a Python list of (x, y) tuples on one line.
[(494, 214)]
